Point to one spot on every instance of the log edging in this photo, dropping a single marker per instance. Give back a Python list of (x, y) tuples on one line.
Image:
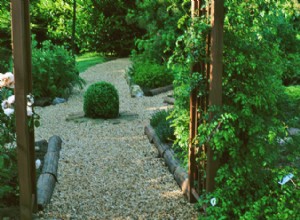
[(48, 178), (180, 175), (159, 90)]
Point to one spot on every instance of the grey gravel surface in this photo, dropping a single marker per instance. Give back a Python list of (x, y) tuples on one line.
[(107, 168)]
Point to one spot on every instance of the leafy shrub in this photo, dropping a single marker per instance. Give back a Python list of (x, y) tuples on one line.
[(101, 100), (5, 58), (161, 123), (54, 71), (160, 20), (292, 74), (8, 176), (151, 75), (289, 105), (243, 132)]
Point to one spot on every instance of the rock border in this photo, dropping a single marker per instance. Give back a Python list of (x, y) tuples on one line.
[(179, 173)]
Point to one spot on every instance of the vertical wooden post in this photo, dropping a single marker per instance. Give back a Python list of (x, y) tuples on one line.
[(23, 86), (195, 9), (215, 76)]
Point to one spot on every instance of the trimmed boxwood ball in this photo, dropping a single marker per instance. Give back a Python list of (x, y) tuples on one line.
[(101, 100)]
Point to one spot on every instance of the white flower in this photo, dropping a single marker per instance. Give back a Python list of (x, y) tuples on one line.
[(7, 80), (29, 111), (5, 104), (38, 163), (11, 99), (8, 111), (30, 100)]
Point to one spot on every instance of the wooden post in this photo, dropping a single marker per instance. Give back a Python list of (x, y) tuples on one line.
[(215, 76), (195, 9), (25, 137)]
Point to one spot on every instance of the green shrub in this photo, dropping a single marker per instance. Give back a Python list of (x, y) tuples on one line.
[(151, 75), (101, 100), (289, 106), (54, 71), (161, 123), (5, 55)]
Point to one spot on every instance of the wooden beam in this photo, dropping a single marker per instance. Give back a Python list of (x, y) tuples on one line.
[(193, 127), (215, 76), (25, 137)]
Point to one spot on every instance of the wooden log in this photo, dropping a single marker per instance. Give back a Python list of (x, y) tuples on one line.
[(181, 178), (160, 90), (48, 178), (51, 163), (171, 161), (45, 188), (54, 144), (161, 147), (153, 138), (75, 115), (169, 100), (149, 131)]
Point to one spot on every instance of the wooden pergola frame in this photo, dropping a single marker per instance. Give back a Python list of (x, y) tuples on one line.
[(23, 86), (202, 176), (21, 47)]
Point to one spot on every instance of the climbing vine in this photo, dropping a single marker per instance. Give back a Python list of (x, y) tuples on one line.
[(244, 132)]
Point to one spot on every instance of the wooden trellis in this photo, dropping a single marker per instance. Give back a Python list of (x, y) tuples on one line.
[(202, 173), (21, 47)]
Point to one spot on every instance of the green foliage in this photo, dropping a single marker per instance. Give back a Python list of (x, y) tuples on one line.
[(244, 132), (5, 40), (87, 60), (8, 155), (101, 100), (289, 105), (5, 30), (52, 20), (151, 75), (5, 55), (159, 19), (271, 202), (8, 177), (54, 71), (161, 122), (105, 29), (8, 163)]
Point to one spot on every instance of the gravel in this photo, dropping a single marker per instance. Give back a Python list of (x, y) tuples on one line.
[(107, 168)]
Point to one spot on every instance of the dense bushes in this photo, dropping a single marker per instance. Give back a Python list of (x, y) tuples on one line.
[(244, 132), (161, 123), (5, 55), (160, 20), (54, 71), (150, 75), (289, 105), (101, 100)]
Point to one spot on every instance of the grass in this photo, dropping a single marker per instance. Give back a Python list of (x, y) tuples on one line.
[(87, 60)]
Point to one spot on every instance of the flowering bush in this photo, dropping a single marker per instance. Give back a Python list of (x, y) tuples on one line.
[(8, 159)]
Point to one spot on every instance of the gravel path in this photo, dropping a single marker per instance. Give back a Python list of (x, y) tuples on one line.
[(107, 168)]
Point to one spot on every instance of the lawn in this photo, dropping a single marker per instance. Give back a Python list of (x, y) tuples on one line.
[(87, 60)]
